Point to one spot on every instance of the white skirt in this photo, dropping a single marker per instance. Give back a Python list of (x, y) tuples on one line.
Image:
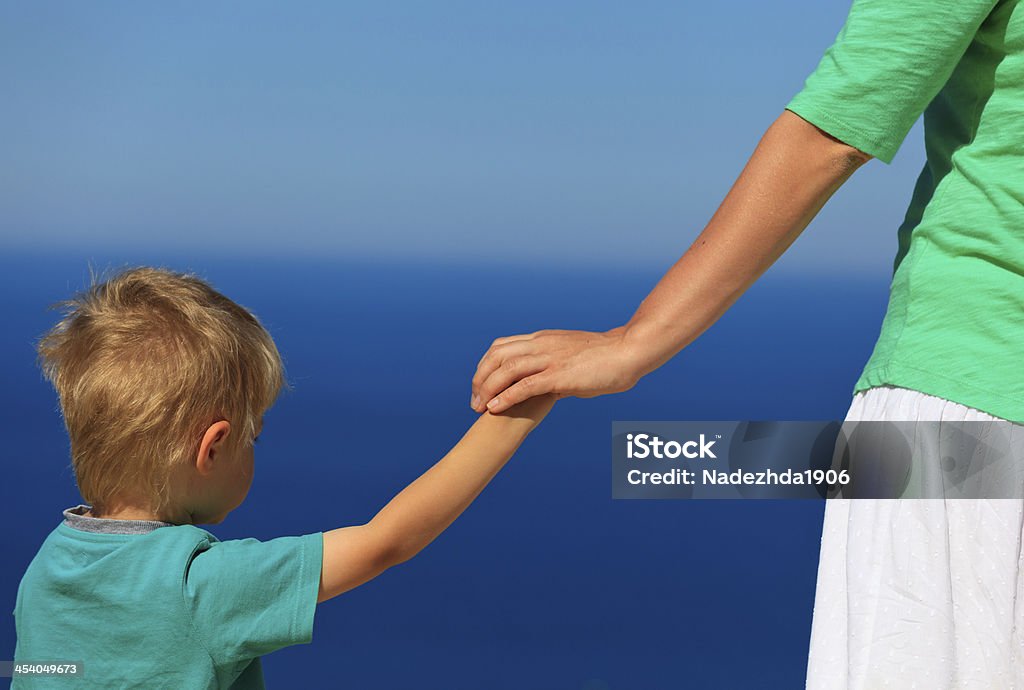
[(918, 593)]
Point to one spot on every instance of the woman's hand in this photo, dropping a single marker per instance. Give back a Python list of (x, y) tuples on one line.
[(565, 363)]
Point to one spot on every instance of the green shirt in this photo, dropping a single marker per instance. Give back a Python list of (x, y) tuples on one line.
[(954, 326), (164, 607)]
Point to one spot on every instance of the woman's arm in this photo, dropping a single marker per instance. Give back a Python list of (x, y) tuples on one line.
[(794, 170)]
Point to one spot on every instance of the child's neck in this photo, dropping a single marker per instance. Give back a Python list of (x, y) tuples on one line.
[(125, 513)]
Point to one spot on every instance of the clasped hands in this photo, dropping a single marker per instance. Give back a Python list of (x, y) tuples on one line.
[(582, 364)]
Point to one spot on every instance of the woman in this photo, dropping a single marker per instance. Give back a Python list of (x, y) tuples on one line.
[(910, 593)]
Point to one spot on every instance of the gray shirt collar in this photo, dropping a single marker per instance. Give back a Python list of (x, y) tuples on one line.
[(76, 518)]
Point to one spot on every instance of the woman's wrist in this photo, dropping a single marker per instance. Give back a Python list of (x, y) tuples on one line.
[(631, 354), (645, 347)]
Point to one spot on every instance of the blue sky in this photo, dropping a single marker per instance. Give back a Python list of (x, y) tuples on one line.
[(582, 132)]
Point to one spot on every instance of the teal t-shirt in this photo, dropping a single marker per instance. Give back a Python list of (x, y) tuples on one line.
[(954, 326), (170, 607)]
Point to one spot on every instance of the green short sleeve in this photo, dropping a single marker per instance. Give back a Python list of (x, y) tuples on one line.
[(887, 63), (248, 597)]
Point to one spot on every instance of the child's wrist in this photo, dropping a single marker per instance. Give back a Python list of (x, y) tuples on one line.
[(519, 420)]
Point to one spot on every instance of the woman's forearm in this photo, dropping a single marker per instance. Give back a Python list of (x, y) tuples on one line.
[(793, 171)]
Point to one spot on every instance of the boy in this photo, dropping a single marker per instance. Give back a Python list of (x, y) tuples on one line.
[(163, 383)]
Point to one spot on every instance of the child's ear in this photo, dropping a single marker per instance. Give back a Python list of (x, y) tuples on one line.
[(213, 444)]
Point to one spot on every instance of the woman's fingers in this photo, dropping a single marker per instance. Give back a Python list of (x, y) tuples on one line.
[(509, 339), (500, 343), (493, 359), (511, 369), (527, 388)]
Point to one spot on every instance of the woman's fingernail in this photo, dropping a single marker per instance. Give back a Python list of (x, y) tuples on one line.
[(474, 402), (492, 404)]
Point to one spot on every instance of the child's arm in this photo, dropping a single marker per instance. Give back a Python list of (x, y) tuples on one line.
[(421, 511)]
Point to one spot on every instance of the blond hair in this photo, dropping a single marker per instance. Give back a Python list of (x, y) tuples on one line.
[(143, 363)]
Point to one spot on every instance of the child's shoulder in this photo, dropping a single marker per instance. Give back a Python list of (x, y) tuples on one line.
[(112, 552), (82, 552), (77, 552)]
